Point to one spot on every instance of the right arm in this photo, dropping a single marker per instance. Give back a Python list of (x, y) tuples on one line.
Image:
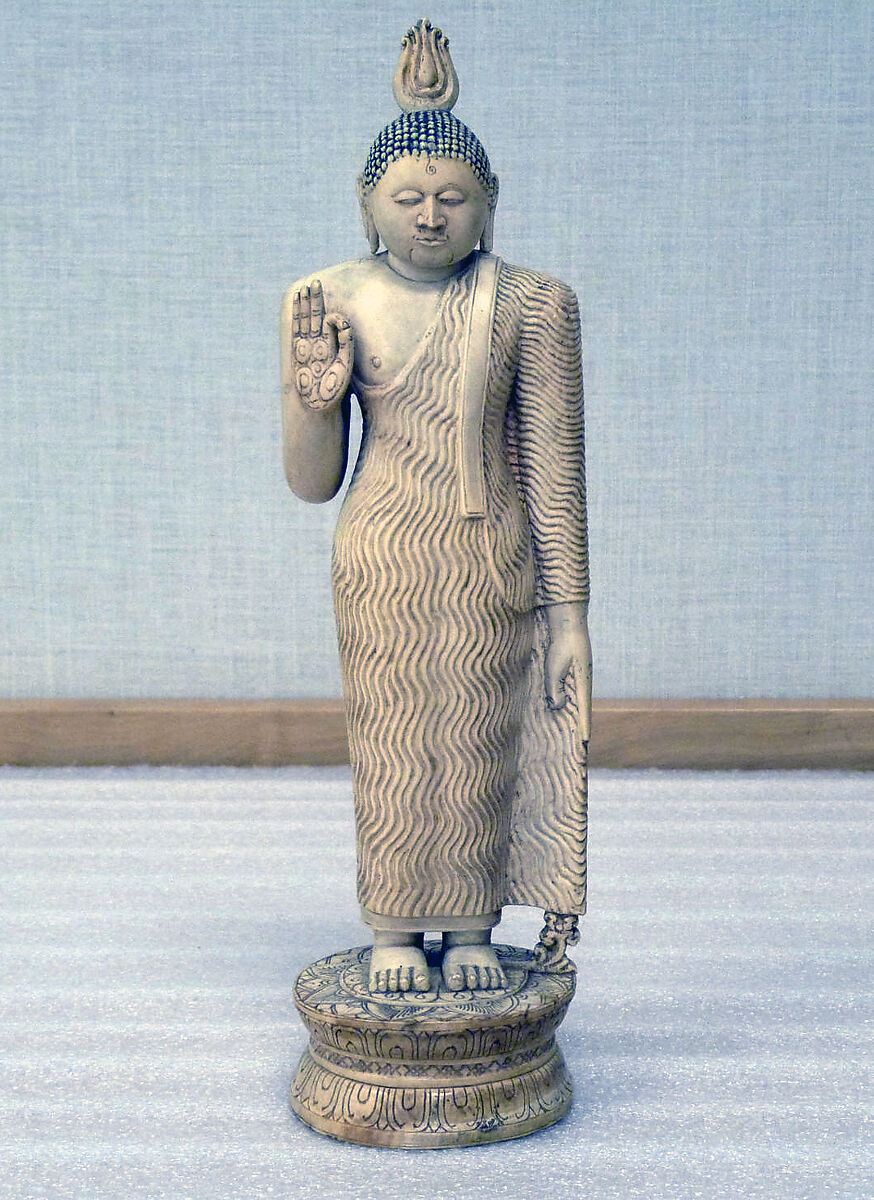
[(316, 369)]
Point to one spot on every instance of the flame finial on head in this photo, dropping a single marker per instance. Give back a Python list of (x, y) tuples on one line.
[(425, 78)]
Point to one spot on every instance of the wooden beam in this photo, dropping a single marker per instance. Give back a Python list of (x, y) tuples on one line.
[(239, 733), (692, 734), (734, 734)]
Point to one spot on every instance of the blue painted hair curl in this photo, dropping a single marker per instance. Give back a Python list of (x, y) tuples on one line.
[(428, 132)]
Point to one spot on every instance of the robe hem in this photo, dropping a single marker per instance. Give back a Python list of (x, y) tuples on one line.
[(424, 924)]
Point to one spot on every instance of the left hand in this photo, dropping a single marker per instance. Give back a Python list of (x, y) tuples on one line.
[(570, 651)]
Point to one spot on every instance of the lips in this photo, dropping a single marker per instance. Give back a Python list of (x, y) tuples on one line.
[(431, 241)]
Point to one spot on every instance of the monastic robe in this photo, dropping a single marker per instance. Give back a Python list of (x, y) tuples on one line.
[(470, 793)]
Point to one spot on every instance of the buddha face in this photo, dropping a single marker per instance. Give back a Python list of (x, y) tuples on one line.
[(430, 213)]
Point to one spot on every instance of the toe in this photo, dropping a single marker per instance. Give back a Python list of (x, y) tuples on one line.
[(421, 980), (471, 977), (455, 980), (405, 979), (392, 983)]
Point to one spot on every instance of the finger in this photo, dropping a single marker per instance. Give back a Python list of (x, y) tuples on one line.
[(556, 668), (335, 381), (345, 340), (317, 308), (295, 315), (556, 697), (583, 679), (305, 312)]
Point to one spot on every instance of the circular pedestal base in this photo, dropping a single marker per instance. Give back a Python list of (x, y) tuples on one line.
[(430, 1069)]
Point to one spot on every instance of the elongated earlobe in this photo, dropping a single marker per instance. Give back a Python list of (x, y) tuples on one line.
[(370, 230), (488, 234)]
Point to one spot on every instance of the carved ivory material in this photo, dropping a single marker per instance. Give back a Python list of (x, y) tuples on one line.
[(469, 789), (425, 77), (437, 1069), (460, 583)]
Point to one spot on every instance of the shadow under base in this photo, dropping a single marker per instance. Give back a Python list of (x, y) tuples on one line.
[(422, 1070)]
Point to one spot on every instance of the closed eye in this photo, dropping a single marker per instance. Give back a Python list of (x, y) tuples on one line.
[(408, 196), (452, 197)]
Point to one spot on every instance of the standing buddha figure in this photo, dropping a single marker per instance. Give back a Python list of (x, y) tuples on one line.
[(460, 563)]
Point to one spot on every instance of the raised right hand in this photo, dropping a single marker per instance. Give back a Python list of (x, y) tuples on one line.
[(321, 349)]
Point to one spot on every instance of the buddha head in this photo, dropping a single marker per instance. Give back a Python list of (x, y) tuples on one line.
[(427, 191)]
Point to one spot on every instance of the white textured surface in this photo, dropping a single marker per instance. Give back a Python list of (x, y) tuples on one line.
[(700, 172), (152, 922)]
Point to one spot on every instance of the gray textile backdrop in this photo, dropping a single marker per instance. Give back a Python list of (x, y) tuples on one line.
[(700, 172)]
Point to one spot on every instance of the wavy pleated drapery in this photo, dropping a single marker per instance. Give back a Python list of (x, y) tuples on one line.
[(436, 625)]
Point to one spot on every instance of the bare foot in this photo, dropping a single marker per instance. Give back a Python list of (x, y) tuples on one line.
[(398, 969), (475, 967)]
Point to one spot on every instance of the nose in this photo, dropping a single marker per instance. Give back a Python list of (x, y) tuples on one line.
[(430, 216)]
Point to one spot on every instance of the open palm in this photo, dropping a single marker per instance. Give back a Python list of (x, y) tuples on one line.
[(321, 349)]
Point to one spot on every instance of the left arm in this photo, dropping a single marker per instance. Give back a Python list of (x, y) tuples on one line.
[(549, 409)]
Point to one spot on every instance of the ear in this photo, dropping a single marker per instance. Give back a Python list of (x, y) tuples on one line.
[(370, 230), (488, 234)]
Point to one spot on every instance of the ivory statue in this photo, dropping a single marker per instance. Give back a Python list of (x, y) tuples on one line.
[(460, 566)]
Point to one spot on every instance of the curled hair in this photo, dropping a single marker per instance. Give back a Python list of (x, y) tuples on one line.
[(433, 133)]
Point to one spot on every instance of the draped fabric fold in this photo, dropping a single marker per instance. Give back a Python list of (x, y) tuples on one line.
[(469, 791)]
